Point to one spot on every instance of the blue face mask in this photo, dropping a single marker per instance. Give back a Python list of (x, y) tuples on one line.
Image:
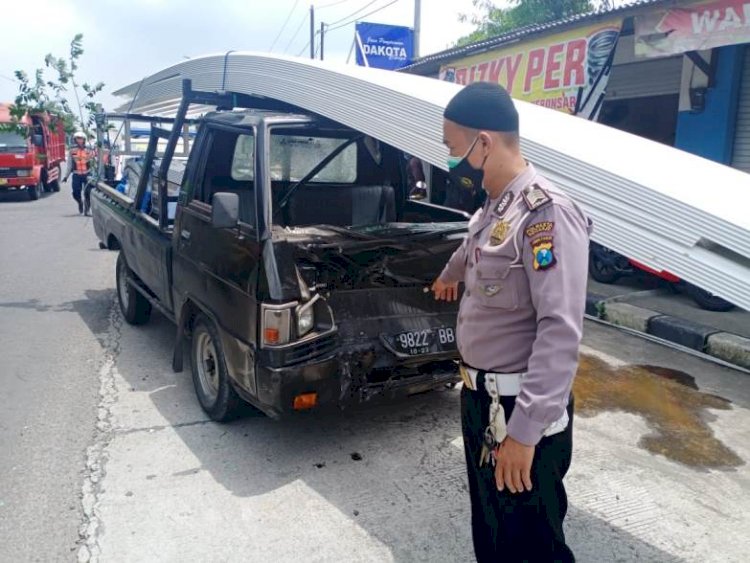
[(463, 173)]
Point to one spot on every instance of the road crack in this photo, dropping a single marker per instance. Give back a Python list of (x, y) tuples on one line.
[(159, 427), (96, 453)]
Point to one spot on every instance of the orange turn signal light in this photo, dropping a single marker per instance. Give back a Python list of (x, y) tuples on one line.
[(271, 336), (306, 401)]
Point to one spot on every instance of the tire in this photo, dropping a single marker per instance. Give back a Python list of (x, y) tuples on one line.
[(707, 300), (35, 192), (215, 393), (601, 265), (135, 307)]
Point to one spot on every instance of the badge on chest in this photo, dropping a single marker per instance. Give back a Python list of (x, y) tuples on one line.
[(499, 232)]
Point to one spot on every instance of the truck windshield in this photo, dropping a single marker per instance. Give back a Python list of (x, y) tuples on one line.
[(294, 156), (12, 142)]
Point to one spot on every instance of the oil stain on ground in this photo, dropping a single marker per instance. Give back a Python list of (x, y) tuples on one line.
[(670, 402)]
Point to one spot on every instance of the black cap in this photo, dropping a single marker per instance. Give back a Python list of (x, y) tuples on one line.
[(483, 105)]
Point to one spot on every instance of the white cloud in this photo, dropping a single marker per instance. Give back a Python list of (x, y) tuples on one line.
[(124, 41)]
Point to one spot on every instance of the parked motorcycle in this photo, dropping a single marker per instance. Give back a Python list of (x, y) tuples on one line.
[(607, 266)]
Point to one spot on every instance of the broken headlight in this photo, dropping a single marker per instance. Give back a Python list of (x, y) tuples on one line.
[(306, 317)]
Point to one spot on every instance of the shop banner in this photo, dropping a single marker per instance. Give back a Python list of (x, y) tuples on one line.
[(693, 27), (384, 46), (567, 71)]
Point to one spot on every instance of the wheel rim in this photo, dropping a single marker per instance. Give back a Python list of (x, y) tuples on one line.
[(122, 287), (207, 365)]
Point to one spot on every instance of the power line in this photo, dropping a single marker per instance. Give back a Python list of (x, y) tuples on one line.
[(283, 27), (364, 16), (307, 45), (296, 33), (355, 12)]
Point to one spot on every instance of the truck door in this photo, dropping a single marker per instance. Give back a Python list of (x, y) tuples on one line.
[(219, 267)]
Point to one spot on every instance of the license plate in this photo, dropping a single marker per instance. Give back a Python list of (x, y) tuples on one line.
[(428, 341), (3, 181)]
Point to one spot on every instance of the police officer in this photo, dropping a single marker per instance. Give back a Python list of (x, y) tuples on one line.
[(524, 269), (80, 160)]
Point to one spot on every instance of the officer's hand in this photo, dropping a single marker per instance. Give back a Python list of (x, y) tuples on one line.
[(445, 291), (513, 466)]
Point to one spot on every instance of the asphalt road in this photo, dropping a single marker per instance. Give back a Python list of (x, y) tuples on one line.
[(99, 438), (55, 299)]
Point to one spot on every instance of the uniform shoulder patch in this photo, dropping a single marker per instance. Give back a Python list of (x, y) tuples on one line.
[(536, 197), (538, 228), (542, 249)]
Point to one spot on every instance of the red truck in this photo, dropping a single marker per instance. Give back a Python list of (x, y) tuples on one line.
[(32, 161)]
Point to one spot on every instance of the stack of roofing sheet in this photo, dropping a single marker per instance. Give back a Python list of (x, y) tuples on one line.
[(666, 208)]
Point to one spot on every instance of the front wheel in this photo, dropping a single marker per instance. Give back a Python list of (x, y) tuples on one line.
[(35, 192), (135, 307), (215, 393)]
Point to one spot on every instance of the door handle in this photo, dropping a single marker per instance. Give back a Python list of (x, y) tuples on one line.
[(185, 234)]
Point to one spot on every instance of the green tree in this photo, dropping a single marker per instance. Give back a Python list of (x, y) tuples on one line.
[(490, 21), (42, 94)]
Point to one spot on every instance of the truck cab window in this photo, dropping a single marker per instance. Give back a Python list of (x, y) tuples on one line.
[(230, 167), (293, 156), (340, 194)]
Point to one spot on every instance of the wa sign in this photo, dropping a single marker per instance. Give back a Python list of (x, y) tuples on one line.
[(384, 46), (692, 27)]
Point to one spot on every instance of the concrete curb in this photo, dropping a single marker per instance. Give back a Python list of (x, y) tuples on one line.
[(723, 345)]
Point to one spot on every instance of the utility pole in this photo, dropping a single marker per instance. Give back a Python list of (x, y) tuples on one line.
[(417, 26), (312, 31), (322, 36)]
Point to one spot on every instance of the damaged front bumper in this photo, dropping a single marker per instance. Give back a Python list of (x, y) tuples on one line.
[(362, 360), (337, 385)]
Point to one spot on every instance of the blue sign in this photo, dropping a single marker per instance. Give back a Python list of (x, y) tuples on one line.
[(384, 46)]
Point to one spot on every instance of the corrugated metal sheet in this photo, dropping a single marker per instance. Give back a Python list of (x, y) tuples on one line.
[(741, 154), (653, 77), (666, 208)]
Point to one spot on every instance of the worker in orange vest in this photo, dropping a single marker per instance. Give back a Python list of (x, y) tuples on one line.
[(80, 163)]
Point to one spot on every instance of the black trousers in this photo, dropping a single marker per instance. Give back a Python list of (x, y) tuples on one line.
[(79, 183), (511, 527)]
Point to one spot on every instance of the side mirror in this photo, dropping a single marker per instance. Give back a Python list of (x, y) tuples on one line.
[(225, 210), (37, 140)]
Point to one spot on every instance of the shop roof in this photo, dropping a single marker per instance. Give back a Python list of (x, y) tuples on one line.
[(431, 63)]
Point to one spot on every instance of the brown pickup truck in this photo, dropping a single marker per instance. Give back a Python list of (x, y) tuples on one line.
[(290, 257)]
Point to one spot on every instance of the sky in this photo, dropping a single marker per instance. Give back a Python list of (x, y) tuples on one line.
[(127, 40)]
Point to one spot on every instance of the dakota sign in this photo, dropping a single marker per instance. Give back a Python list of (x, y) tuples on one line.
[(383, 46), (693, 27), (555, 71)]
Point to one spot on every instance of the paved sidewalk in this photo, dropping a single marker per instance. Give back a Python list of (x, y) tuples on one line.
[(653, 307)]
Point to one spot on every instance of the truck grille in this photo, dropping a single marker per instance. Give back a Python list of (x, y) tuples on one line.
[(318, 348), (313, 350)]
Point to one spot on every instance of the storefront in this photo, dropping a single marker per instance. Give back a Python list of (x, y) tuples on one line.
[(677, 72)]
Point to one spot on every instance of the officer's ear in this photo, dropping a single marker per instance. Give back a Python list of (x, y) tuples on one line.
[(485, 142)]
